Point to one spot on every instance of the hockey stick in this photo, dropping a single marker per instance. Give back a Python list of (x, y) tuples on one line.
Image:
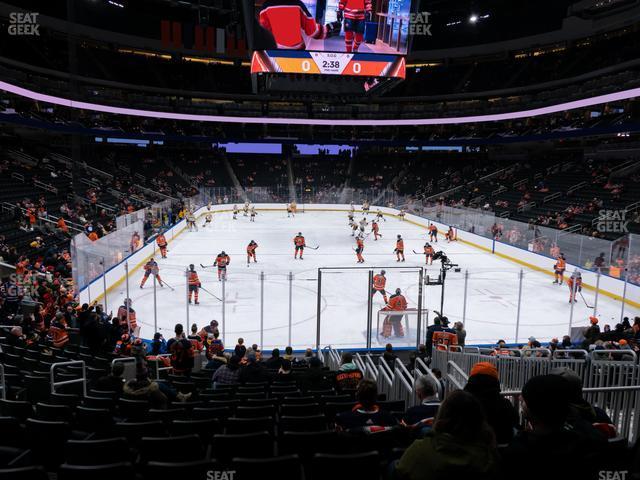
[(585, 301), (207, 266), (214, 296), (312, 248), (170, 287)]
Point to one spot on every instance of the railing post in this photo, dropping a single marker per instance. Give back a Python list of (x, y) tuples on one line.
[(318, 309), (464, 296), (290, 278), (186, 300), (520, 278), (224, 308), (261, 309), (126, 277), (624, 293), (597, 295), (104, 285)]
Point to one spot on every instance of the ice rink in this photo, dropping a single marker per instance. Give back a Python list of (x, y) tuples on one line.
[(492, 288)]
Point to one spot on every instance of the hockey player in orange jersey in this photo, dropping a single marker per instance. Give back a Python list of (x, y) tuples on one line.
[(428, 253), (397, 303), (433, 233), (299, 244), (151, 268), (379, 284), (251, 252), (450, 236), (161, 241), (222, 261), (559, 268), (375, 229), (194, 284), (359, 248), (399, 251)]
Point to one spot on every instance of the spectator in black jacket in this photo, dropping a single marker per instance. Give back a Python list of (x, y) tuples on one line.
[(366, 412), (314, 378), (112, 382), (275, 362), (427, 392), (484, 384), (550, 440), (253, 371)]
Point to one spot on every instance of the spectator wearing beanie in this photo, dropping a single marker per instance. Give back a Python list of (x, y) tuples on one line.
[(580, 408), (461, 444), (484, 384), (549, 440), (141, 388)]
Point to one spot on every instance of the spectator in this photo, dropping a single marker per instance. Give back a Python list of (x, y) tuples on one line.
[(275, 362), (579, 406), (240, 349), (461, 444), (484, 384), (461, 332), (284, 372), (253, 371), (181, 351), (549, 440), (366, 412), (591, 333), (112, 382), (288, 354), (427, 392), (421, 353), (349, 375), (389, 356), (228, 374), (141, 388), (314, 378)]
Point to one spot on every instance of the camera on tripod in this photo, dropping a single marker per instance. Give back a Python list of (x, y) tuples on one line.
[(446, 263)]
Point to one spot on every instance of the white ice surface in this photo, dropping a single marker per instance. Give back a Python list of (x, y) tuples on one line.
[(492, 289)]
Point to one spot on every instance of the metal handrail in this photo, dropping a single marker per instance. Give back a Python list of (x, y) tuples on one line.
[(83, 380), (451, 379), (162, 369), (557, 352), (427, 371), (594, 353)]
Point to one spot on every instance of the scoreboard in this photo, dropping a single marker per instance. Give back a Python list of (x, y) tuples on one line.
[(328, 63), (338, 38)]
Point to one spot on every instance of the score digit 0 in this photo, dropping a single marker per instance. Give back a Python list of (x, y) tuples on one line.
[(357, 68), (306, 66)]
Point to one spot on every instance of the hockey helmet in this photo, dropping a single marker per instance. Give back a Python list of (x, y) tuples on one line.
[(382, 272), (191, 267)]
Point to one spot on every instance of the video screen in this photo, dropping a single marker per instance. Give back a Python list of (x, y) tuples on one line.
[(338, 26)]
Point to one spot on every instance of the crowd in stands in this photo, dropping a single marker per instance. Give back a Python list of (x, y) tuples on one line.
[(241, 391)]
